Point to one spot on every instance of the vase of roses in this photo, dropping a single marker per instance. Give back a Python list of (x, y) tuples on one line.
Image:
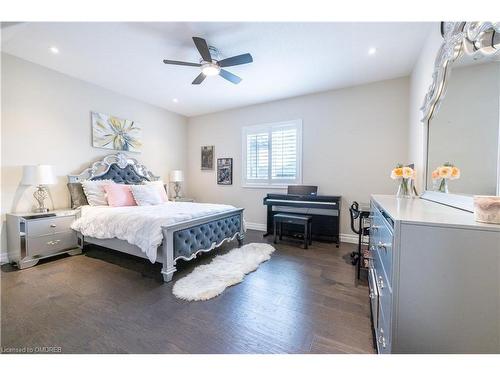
[(405, 176), (442, 174)]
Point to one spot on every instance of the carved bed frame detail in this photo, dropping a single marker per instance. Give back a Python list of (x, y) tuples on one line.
[(101, 167)]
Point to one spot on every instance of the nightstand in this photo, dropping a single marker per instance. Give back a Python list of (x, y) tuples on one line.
[(34, 236), (182, 199)]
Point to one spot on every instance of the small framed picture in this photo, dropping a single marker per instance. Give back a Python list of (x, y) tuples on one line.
[(225, 171), (207, 157)]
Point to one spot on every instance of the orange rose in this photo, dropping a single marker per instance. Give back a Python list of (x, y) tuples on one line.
[(455, 173), (444, 172), (435, 174), (397, 173)]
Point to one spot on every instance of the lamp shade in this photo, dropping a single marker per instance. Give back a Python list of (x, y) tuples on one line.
[(38, 175), (176, 176)]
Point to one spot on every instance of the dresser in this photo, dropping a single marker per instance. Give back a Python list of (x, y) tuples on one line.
[(33, 236), (434, 278)]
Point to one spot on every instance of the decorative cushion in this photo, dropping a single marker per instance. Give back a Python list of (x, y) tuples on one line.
[(119, 195), (161, 189), (77, 195), (146, 195), (94, 190)]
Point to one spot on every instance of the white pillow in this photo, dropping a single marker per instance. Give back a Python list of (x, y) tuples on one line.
[(162, 189), (94, 190), (146, 195)]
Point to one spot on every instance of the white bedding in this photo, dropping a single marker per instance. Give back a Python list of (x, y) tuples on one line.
[(140, 225)]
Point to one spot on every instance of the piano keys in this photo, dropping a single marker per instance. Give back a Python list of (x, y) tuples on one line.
[(325, 210)]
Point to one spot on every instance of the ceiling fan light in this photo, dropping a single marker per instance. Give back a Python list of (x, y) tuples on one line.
[(210, 69)]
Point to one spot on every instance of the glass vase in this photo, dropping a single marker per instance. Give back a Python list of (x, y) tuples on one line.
[(443, 186), (404, 189)]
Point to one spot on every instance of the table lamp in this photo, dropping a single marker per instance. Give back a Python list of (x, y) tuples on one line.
[(176, 177), (39, 176)]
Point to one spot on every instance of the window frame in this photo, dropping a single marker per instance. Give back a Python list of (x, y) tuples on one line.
[(269, 127)]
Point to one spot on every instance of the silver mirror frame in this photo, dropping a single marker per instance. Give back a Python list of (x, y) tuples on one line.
[(477, 39)]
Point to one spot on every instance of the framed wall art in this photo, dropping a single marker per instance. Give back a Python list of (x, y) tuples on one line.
[(114, 133), (207, 157), (225, 171)]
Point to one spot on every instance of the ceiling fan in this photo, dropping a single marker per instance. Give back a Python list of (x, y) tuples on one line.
[(211, 64)]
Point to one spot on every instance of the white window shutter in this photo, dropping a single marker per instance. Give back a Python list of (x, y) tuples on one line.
[(272, 154)]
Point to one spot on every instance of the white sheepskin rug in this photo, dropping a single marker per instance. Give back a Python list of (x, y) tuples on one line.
[(210, 280)]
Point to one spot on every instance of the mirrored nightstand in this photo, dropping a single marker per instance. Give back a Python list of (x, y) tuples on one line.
[(34, 236)]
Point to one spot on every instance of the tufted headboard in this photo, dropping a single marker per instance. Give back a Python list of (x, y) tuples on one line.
[(117, 167), (126, 175)]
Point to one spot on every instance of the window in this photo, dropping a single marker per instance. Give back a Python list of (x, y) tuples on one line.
[(272, 154)]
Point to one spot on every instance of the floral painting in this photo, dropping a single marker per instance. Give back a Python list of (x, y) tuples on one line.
[(115, 133)]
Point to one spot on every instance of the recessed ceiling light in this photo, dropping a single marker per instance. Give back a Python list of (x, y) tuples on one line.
[(54, 50), (372, 51), (175, 100)]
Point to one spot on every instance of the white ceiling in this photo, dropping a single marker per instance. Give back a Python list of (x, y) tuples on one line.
[(290, 59)]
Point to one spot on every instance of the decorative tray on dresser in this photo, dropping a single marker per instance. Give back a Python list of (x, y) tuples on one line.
[(434, 278), (34, 236)]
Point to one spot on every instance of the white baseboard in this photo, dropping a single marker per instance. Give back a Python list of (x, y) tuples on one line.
[(256, 226), (4, 258), (349, 238), (344, 237)]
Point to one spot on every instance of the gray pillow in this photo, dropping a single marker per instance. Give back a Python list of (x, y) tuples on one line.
[(78, 197)]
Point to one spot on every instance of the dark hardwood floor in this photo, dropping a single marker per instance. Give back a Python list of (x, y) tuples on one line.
[(300, 301)]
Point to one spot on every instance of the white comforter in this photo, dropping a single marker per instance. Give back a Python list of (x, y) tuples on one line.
[(140, 225)]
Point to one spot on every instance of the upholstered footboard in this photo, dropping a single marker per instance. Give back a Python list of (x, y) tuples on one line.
[(185, 240)]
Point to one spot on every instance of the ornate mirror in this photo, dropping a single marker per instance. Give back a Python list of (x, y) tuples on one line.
[(461, 113)]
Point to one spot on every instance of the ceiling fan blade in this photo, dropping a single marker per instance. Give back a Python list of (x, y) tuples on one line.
[(199, 79), (174, 62), (236, 60), (202, 46), (229, 76)]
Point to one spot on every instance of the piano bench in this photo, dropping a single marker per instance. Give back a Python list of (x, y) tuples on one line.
[(303, 220)]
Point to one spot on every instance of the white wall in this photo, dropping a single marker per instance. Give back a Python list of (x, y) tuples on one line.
[(420, 80), (46, 120), (352, 138)]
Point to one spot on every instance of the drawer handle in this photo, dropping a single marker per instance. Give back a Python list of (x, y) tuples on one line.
[(381, 339), (380, 282), (53, 225), (384, 246)]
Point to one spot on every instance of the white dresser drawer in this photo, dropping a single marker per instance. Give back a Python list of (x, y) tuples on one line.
[(49, 244), (381, 243), (372, 284), (383, 333), (384, 295), (384, 247), (45, 226)]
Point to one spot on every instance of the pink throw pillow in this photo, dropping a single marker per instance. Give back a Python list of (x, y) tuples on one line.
[(119, 195)]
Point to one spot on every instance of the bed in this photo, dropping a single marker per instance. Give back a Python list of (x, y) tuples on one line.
[(186, 229)]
